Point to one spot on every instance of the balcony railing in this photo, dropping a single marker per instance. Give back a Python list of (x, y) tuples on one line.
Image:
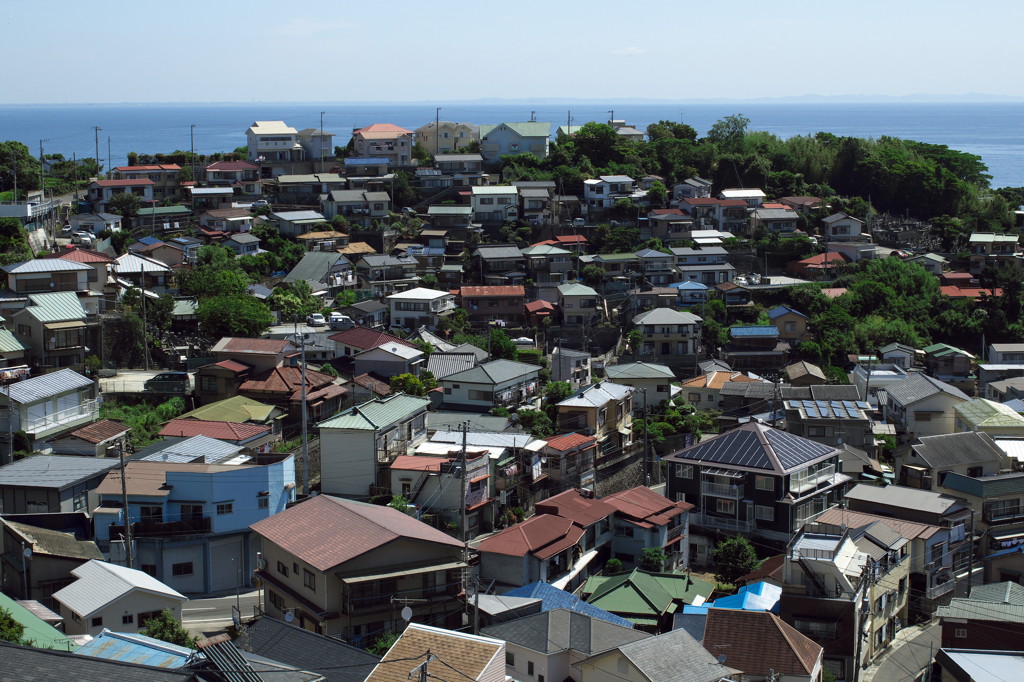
[(84, 410), (801, 483), (722, 490), (729, 524), (936, 591), (1004, 515), (173, 529), (359, 602)]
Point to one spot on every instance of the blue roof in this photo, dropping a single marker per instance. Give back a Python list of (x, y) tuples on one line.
[(766, 331), (1017, 405), (135, 648), (553, 598), (149, 241), (695, 286), (760, 596), (781, 310), (690, 609), (366, 161)]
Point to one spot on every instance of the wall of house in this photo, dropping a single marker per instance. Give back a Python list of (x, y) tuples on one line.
[(940, 419), (611, 667), (989, 635), (132, 604), (348, 462), (549, 667), (508, 570)]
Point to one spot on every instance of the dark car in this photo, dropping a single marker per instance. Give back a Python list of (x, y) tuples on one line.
[(168, 382)]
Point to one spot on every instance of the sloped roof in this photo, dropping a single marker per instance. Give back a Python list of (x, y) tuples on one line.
[(314, 266), (756, 446), (100, 431), (952, 449), (58, 306), (569, 441), (560, 629), (999, 593), (365, 338), (54, 542), (29, 663), (542, 536), (494, 372), (980, 413), (597, 395), (199, 449), (38, 630), (442, 365), (326, 531), (553, 598), (376, 414), (855, 519), (572, 505), (244, 346), (972, 609), (675, 657), (916, 387), (523, 129), (666, 316), (288, 381), (337, 661), (45, 265), (53, 471), (645, 507), (639, 370), (231, 431), (136, 648), (803, 368), (758, 640), (907, 498), (100, 583), (458, 655), (234, 409), (641, 595)]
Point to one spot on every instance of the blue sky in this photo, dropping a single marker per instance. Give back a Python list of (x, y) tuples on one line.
[(223, 50)]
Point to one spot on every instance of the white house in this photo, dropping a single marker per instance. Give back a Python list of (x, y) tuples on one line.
[(921, 405), (110, 596), (514, 138), (494, 203), (273, 144), (601, 193), (499, 382), (420, 307), (840, 227), (753, 197), (96, 222)]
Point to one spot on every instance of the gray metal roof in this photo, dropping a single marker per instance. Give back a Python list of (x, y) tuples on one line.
[(201, 449), (337, 661), (505, 439), (597, 395), (675, 657), (53, 471), (1000, 593), (100, 583), (445, 421), (29, 663), (639, 370), (972, 609), (956, 448), (494, 372), (907, 498), (58, 306), (666, 316), (498, 252), (45, 265), (315, 265), (917, 387), (444, 364), (46, 386), (561, 630)]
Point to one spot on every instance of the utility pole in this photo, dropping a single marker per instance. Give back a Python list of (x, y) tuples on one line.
[(124, 505), (192, 156), (322, 141), (305, 441), (648, 460), (611, 115), (110, 164), (42, 185), (533, 116), (465, 482), (96, 130), (437, 130), (145, 341), (775, 397)]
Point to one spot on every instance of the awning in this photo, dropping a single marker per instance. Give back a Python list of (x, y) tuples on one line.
[(75, 324), (536, 446), (397, 574), (1007, 534), (580, 564), (723, 472)]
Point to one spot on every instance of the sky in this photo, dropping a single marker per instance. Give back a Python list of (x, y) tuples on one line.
[(405, 51)]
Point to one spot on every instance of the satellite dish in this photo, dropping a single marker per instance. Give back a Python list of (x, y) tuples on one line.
[(289, 617), (721, 659), (27, 552), (406, 614)]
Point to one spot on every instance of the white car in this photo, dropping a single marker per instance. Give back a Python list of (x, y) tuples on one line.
[(316, 320)]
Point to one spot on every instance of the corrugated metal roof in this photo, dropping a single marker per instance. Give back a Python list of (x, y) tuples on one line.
[(46, 386), (494, 372), (100, 583), (135, 648), (755, 332), (376, 414), (666, 316), (45, 265), (193, 449), (53, 471), (9, 343), (597, 395), (639, 370), (58, 306), (971, 609)]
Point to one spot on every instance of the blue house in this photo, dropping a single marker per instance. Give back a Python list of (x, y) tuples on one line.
[(190, 521)]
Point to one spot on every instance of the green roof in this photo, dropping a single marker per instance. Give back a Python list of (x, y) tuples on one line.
[(523, 129), (376, 414), (643, 593), (184, 307), (980, 413), (314, 266), (615, 257), (238, 409), (9, 343), (576, 289), (158, 211), (42, 634), (58, 306)]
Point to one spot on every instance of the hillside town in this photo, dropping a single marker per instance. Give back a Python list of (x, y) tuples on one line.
[(438, 405)]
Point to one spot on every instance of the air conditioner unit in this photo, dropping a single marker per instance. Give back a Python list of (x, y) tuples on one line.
[(588, 431)]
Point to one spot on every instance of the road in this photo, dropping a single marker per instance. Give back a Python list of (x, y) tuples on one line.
[(203, 616), (907, 659)]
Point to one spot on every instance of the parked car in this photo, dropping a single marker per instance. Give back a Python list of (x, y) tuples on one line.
[(259, 203), (83, 238), (340, 322), (168, 382), (316, 320)]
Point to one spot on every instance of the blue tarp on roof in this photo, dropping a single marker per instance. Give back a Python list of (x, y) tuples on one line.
[(766, 331), (135, 648), (780, 310), (553, 598), (760, 596), (149, 241)]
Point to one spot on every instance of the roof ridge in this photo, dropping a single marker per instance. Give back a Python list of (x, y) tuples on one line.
[(795, 645)]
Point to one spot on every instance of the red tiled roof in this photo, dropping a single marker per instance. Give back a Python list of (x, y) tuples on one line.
[(822, 258), (124, 183), (543, 536), (540, 307), (232, 431), (571, 238), (165, 166), (569, 441), (365, 338), (668, 211), (384, 128), (327, 531), (99, 431), (974, 293), (231, 166), (645, 507), (232, 365), (583, 511), (287, 380), (80, 255), (754, 637), (770, 569), (505, 291), (775, 205), (419, 462)]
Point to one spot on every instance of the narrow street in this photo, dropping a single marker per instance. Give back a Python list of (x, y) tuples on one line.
[(910, 654), (213, 614)]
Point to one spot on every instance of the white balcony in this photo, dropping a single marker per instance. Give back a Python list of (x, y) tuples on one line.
[(43, 425), (722, 490)]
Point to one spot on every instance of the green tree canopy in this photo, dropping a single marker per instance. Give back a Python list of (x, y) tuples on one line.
[(734, 557), (233, 315), (10, 630), (295, 300), (167, 628), (125, 204)]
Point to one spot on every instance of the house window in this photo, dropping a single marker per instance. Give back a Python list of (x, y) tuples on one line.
[(961, 633), (207, 384), (309, 579), (146, 616), (762, 513), (128, 620), (923, 416), (529, 668), (725, 506), (225, 508), (282, 569), (680, 497), (149, 569), (510, 659), (191, 512), (184, 568), (765, 483), (624, 531), (151, 514), (97, 622), (276, 600), (684, 471), (264, 503)]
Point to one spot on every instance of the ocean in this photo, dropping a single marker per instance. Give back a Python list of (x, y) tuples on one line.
[(993, 131)]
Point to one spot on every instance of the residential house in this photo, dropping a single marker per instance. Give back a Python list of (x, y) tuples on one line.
[(387, 274), (170, 255), (991, 619), (490, 303), (672, 657), (922, 406), (481, 659), (358, 207), (275, 147), (831, 422), (287, 386), (107, 595), (36, 562), (950, 364), (751, 197), (294, 223), (755, 347), (40, 627), (359, 443), (95, 223), (227, 219), (49, 404), (548, 265), (996, 503), (958, 664), (985, 416), (643, 519), (898, 354), (102, 192), (494, 204), (622, 267), (782, 221), (492, 384), (420, 307), (932, 262), (669, 336), (707, 265), (238, 409), (190, 520), (254, 438), (793, 325), (1006, 353), (803, 373), (579, 304), (318, 145), (670, 225), (324, 240), (755, 480), (365, 168), (760, 641), (605, 411), (241, 174), (646, 599), (433, 482), (819, 266), (601, 193), (656, 267), (450, 216), (446, 138), (369, 313), (50, 484), (993, 251), (337, 565), (653, 383), (149, 274), (805, 205), (558, 545), (259, 354), (550, 598), (571, 366), (552, 644), (847, 588), (872, 379), (96, 439), (165, 178), (384, 141), (840, 227), (388, 360), (568, 461), (506, 139), (704, 390), (55, 327), (354, 341), (326, 272)]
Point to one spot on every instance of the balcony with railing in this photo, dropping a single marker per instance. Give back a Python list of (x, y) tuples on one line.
[(809, 479), (722, 489), (1000, 515), (723, 523), (169, 529), (360, 600), (43, 425)]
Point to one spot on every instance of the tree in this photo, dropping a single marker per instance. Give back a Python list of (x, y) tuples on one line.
[(383, 643), (400, 503), (295, 300), (16, 159), (734, 558), (328, 369), (502, 347), (233, 315), (536, 422), (216, 273), (653, 559), (125, 204), (14, 246), (167, 628), (728, 132), (613, 566), (658, 194), (593, 275), (10, 630), (408, 383), (402, 191)]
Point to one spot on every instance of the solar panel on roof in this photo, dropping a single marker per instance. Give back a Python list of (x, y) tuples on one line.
[(811, 412)]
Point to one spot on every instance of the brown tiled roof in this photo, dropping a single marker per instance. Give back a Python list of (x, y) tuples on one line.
[(583, 511), (239, 344), (228, 212), (717, 380), (377, 386), (543, 536), (770, 569), (54, 542), (419, 462), (503, 291), (99, 431), (759, 640), (186, 428), (232, 365), (231, 166), (857, 519), (540, 306), (286, 380), (645, 507), (80, 255), (365, 338), (327, 531), (459, 656), (148, 478)]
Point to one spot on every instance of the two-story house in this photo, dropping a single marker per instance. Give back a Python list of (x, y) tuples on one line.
[(387, 274), (643, 519), (548, 265), (992, 251), (579, 304), (49, 404), (494, 204), (294, 223), (327, 273), (707, 265), (275, 147), (572, 366), (832, 422), (793, 325), (420, 307), (337, 566), (782, 221), (384, 141), (101, 192), (653, 383), (755, 347), (358, 444), (568, 461), (656, 267), (96, 223), (601, 193), (357, 206), (492, 384), (235, 174), (669, 336), (921, 405), (164, 177), (446, 138), (190, 521), (51, 484), (464, 169), (997, 501), (226, 219), (54, 326), (504, 139), (605, 411), (490, 303), (840, 227), (755, 480)]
